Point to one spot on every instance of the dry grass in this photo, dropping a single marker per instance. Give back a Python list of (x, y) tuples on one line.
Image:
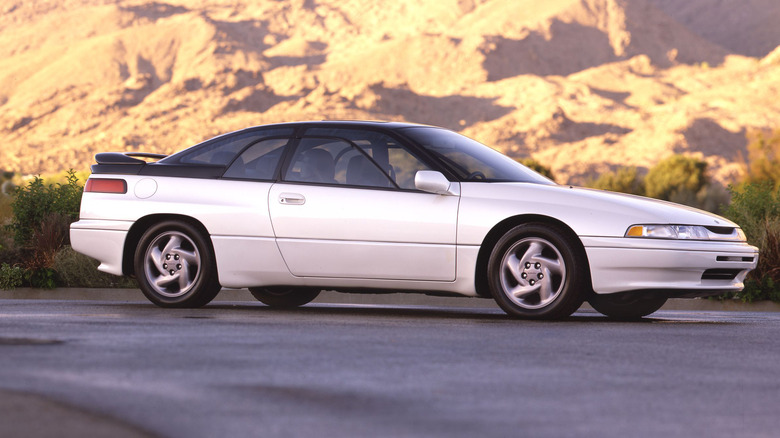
[(6, 213), (769, 260), (47, 240)]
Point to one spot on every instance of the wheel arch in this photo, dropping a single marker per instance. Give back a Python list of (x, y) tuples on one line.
[(492, 237), (140, 226)]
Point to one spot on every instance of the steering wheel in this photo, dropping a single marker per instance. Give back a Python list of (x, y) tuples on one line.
[(476, 176)]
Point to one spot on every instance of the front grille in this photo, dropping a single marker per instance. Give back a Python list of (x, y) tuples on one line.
[(720, 274)]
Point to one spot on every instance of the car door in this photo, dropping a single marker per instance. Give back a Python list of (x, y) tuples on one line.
[(237, 215), (347, 208)]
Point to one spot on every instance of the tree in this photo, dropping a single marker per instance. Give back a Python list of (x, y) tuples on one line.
[(676, 177), (624, 180), (537, 167), (763, 157)]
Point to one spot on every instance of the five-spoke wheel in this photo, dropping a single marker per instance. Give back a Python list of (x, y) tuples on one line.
[(532, 273), (172, 263), (175, 267), (536, 271)]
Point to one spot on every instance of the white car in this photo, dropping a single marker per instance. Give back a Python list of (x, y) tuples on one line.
[(288, 210)]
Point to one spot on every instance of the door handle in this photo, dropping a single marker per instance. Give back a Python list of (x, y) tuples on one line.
[(292, 199)]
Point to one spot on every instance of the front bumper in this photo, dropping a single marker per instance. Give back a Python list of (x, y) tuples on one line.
[(689, 268)]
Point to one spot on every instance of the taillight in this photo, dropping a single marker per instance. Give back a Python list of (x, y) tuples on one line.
[(105, 185)]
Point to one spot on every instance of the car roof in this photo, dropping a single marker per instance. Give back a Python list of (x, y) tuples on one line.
[(343, 123)]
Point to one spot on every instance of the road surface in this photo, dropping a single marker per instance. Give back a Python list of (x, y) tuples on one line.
[(81, 368)]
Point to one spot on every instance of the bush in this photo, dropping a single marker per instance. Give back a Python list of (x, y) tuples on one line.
[(537, 167), (763, 157), (6, 212), (759, 289), (43, 278), (42, 214), (11, 277), (756, 207), (46, 240), (624, 180), (77, 270), (677, 176), (753, 206), (711, 197), (36, 203)]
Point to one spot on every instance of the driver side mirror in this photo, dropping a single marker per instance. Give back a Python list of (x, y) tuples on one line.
[(432, 181)]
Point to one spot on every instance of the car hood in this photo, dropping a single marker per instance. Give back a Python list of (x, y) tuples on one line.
[(588, 211)]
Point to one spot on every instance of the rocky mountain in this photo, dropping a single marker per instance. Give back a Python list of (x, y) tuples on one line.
[(581, 85)]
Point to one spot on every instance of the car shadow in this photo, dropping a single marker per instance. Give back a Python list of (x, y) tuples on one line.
[(483, 315)]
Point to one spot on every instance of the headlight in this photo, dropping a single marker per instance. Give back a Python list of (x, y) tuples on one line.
[(686, 232)]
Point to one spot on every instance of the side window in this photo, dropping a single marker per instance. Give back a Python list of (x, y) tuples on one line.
[(258, 161), (384, 163), (315, 161), (222, 150), (404, 166)]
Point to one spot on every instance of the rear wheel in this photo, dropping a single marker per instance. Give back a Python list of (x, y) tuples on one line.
[(537, 271), (175, 267), (626, 306), (284, 297)]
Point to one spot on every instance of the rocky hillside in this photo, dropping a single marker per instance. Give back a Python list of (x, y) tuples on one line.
[(581, 85)]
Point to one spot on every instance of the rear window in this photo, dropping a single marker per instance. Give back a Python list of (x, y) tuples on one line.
[(224, 149)]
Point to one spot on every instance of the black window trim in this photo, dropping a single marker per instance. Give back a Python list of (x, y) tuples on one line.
[(216, 171)]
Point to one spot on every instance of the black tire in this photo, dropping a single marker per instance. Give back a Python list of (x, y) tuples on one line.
[(284, 297), (175, 267), (538, 271), (626, 306)]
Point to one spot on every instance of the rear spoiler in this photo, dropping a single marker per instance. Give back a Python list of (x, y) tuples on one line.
[(122, 162), (125, 157), (130, 163)]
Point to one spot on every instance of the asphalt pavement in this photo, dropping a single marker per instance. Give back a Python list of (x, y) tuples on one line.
[(84, 368), (239, 295)]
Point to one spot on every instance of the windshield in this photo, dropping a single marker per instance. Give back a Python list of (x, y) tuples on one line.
[(471, 160)]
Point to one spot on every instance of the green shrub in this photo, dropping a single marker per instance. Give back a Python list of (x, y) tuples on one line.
[(756, 208), (537, 167), (77, 270), (11, 277), (711, 197), (753, 206), (758, 290), (677, 176), (9, 251), (42, 214), (35, 202), (763, 157), (624, 180), (43, 278)]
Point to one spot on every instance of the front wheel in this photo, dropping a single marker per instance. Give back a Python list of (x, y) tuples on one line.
[(626, 306), (538, 271), (284, 297), (175, 267)]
